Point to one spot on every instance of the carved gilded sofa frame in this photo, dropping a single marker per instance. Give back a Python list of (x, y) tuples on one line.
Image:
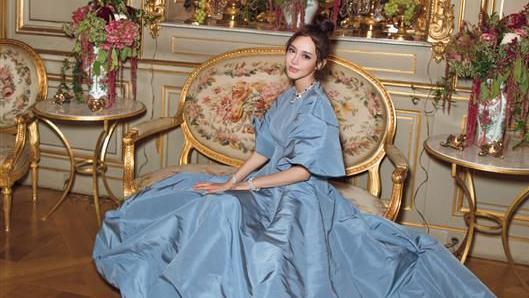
[(18, 128), (245, 78)]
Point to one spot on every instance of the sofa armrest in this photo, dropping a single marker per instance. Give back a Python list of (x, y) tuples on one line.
[(134, 135), (398, 177)]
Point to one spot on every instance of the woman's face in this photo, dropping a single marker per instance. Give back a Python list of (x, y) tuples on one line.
[(301, 61)]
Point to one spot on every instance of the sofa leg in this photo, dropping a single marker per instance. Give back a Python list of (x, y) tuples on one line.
[(7, 197), (34, 179)]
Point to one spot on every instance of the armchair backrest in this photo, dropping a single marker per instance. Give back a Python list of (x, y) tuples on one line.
[(221, 96), (22, 80)]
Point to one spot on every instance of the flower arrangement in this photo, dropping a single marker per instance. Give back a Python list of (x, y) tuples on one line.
[(495, 56), (408, 8), (106, 34)]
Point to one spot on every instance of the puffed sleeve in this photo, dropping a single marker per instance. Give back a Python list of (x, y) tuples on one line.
[(263, 139), (314, 143)]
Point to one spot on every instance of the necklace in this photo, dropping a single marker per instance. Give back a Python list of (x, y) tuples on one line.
[(298, 96)]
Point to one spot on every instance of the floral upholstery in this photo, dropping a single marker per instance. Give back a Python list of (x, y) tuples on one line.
[(224, 97), (19, 86), (360, 197)]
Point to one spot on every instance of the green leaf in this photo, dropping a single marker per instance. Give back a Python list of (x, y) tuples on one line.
[(517, 71), (484, 91), (524, 84), (125, 53), (114, 59), (496, 84), (97, 68), (102, 56)]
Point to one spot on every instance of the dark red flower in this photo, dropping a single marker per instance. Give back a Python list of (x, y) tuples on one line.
[(515, 20), (106, 13)]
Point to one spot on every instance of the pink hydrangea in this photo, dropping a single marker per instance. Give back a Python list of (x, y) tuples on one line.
[(79, 14), (120, 34)]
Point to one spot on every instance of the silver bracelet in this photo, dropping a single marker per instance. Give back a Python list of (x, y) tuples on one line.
[(233, 179), (251, 185)]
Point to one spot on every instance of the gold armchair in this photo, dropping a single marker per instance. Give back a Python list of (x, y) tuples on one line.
[(247, 81), (22, 82)]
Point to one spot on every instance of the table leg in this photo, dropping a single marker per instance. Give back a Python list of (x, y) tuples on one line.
[(71, 178), (466, 184), (507, 221), (96, 167), (99, 166), (102, 156)]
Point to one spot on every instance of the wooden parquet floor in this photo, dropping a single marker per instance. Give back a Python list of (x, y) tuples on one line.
[(53, 258), (50, 258)]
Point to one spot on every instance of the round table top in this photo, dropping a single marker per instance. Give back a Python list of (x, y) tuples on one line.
[(75, 111), (514, 162)]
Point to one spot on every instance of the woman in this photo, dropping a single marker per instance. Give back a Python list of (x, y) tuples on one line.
[(276, 228)]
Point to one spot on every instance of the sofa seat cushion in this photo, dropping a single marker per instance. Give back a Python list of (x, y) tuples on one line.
[(360, 197), (153, 177), (7, 146)]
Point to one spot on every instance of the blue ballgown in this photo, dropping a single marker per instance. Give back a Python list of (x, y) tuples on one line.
[(299, 240)]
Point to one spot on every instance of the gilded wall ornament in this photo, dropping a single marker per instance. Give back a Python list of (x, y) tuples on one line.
[(441, 27), (156, 10)]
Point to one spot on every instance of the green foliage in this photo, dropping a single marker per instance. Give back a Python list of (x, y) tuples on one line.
[(407, 7)]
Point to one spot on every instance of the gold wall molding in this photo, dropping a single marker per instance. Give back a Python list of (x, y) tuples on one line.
[(3, 15), (162, 142), (414, 143), (441, 27), (22, 26), (178, 40), (376, 55)]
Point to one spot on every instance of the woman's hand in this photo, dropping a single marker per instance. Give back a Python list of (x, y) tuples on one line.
[(210, 187)]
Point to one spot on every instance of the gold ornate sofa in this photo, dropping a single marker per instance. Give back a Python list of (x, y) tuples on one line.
[(222, 95), (22, 83)]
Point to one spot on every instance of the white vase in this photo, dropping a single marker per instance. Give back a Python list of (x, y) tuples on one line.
[(98, 88), (491, 120), (311, 8)]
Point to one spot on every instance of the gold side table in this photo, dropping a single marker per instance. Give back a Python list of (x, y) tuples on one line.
[(464, 163), (122, 109)]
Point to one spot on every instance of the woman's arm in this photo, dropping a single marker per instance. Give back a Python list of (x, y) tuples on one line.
[(292, 175), (251, 164)]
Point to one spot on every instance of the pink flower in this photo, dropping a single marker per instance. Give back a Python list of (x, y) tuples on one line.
[(454, 56), (516, 20), (7, 91), (522, 32), (489, 37), (270, 92), (121, 34), (79, 14)]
